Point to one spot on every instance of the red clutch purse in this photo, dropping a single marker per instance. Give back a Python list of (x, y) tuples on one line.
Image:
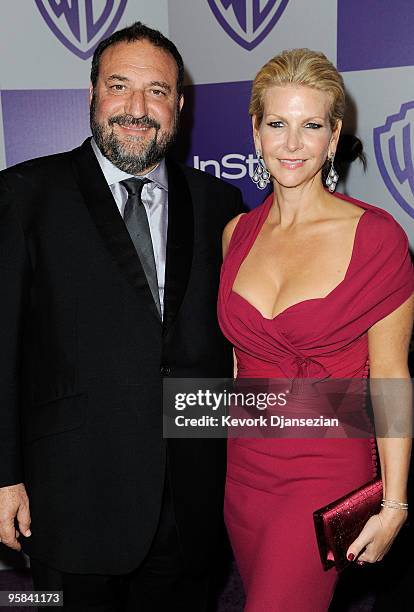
[(339, 523)]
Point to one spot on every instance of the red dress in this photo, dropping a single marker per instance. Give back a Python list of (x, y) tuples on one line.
[(274, 485)]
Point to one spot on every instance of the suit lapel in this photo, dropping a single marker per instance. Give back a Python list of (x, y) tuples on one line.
[(104, 212), (179, 242)]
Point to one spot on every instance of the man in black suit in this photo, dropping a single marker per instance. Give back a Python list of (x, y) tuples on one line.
[(109, 260)]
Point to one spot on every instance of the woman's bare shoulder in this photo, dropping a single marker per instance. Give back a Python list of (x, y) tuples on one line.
[(228, 231), (345, 209)]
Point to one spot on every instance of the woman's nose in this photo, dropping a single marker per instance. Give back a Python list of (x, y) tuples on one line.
[(293, 140)]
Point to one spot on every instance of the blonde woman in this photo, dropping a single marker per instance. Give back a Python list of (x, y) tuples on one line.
[(313, 285)]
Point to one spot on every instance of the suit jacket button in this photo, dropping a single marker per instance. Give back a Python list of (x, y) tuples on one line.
[(165, 370)]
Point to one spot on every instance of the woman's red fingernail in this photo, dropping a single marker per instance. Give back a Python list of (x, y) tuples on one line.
[(351, 557)]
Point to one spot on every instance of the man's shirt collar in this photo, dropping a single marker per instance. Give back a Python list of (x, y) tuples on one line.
[(114, 175)]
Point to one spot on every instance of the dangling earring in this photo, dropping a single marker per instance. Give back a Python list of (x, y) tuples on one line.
[(261, 176), (333, 176)]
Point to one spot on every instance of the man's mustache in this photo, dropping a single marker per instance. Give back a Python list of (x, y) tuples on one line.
[(127, 120)]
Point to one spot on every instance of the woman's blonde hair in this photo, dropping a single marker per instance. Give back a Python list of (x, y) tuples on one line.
[(299, 67)]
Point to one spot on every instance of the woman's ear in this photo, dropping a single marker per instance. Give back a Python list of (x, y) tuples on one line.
[(335, 137), (256, 137)]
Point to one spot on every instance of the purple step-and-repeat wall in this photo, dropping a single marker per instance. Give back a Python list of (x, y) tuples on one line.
[(224, 42), (46, 46)]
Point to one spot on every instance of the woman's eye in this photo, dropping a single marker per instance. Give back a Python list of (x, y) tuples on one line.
[(313, 126), (276, 124)]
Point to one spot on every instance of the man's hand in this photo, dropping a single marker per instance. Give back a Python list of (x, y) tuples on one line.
[(14, 503)]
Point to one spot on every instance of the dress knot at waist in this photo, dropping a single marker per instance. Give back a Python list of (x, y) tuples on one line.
[(298, 366), (291, 367)]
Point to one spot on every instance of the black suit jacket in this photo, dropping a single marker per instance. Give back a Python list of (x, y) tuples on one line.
[(83, 356)]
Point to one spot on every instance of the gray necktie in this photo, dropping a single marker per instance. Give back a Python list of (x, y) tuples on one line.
[(136, 220)]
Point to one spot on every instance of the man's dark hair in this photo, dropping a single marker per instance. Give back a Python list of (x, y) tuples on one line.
[(139, 31)]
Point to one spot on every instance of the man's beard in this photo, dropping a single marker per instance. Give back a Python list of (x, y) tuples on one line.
[(126, 157)]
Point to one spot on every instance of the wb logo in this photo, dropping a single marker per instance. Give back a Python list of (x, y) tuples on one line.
[(79, 24), (393, 144), (248, 22)]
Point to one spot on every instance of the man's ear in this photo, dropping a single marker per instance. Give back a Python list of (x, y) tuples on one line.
[(181, 102), (90, 93)]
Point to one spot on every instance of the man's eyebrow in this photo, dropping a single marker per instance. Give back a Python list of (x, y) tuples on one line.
[(124, 79), (162, 84), (117, 77)]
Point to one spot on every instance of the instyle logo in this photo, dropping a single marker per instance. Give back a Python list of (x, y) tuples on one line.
[(393, 144), (232, 166), (81, 24), (248, 22)]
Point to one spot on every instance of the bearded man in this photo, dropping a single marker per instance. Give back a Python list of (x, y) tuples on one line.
[(110, 258)]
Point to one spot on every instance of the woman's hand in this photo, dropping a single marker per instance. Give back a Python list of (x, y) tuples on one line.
[(378, 534)]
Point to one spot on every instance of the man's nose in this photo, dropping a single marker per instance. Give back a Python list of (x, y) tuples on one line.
[(135, 104)]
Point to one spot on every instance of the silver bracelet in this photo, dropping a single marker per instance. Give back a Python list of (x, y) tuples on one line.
[(396, 505)]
